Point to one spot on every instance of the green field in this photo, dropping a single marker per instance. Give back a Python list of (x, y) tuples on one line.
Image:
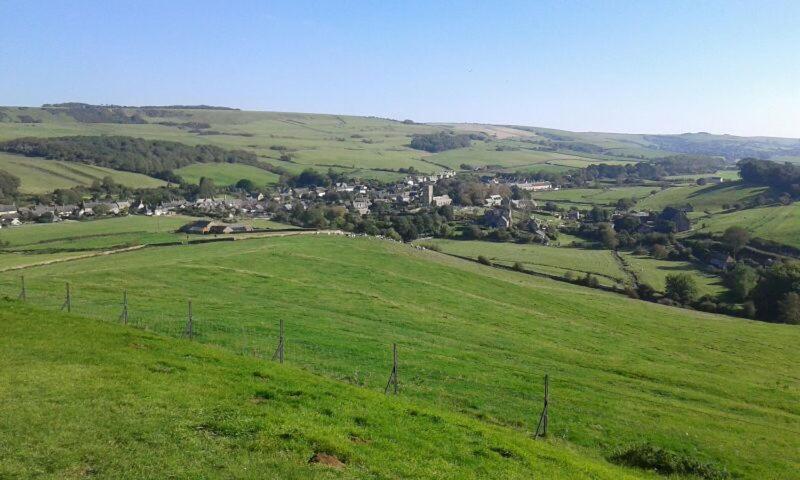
[(587, 197), (727, 175), (539, 258), (94, 234), (81, 398), (38, 175), (227, 174), (472, 339), (654, 273), (101, 234), (711, 197), (779, 224)]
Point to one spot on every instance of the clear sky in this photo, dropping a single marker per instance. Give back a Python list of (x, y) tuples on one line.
[(637, 66)]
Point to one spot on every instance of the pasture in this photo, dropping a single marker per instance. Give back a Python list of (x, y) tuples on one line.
[(779, 224), (549, 260), (38, 175), (702, 198), (472, 339), (654, 272), (227, 174), (82, 398)]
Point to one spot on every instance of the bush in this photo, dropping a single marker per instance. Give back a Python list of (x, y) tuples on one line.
[(667, 462), (681, 287), (482, 259), (518, 267)]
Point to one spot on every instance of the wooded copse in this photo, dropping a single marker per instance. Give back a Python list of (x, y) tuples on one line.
[(441, 141), (784, 177), (157, 158)]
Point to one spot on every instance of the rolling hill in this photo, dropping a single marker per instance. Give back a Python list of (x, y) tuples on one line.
[(82, 398), (39, 175), (371, 147), (473, 340)]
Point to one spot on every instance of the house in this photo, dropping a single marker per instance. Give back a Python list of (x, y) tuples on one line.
[(220, 228), (441, 200), (241, 228), (497, 217), (10, 219), (713, 180), (198, 227), (8, 209), (361, 205), (534, 186), (524, 204), (493, 201), (574, 215), (722, 261)]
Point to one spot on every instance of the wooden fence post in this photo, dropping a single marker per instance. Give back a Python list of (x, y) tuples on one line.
[(541, 428), (124, 315), (280, 350), (67, 301), (22, 293), (393, 376), (189, 332)]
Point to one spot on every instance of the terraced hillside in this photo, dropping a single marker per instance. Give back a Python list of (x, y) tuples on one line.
[(472, 340)]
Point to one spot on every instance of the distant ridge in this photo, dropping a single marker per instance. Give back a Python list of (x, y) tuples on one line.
[(175, 107)]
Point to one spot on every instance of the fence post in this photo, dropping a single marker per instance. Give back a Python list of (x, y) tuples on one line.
[(279, 351), (393, 376), (67, 301), (124, 315), (22, 293), (541, 428), (189, 332)]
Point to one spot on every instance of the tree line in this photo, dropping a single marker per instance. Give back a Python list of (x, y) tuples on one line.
[(156, 158), (441, 141), (784, 177)]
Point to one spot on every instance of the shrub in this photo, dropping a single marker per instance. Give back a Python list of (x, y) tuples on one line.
[(482, 259), (667, 462), (518, 267)]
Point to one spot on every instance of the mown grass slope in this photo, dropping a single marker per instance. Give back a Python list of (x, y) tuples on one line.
[(779, 224), (86, 399), (38, 175), (227, 174), (472, 339), (549, 260)]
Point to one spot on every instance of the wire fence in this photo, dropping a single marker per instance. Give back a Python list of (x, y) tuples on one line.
[(236, 326)]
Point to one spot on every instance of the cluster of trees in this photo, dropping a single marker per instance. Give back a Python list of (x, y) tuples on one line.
[(157, 158), (441, 141), (380, 221), (653, 170), (783, 177), (9, 185)]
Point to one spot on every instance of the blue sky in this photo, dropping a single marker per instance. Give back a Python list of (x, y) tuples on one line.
[(638, 66)]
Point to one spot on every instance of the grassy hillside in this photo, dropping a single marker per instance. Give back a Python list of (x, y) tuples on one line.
[(81, 398), (226, 173), (711, 197), (540, 258), (472, 339), (586, 197), (39, 175), (777, 223), (654, 273), (107, 233)]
